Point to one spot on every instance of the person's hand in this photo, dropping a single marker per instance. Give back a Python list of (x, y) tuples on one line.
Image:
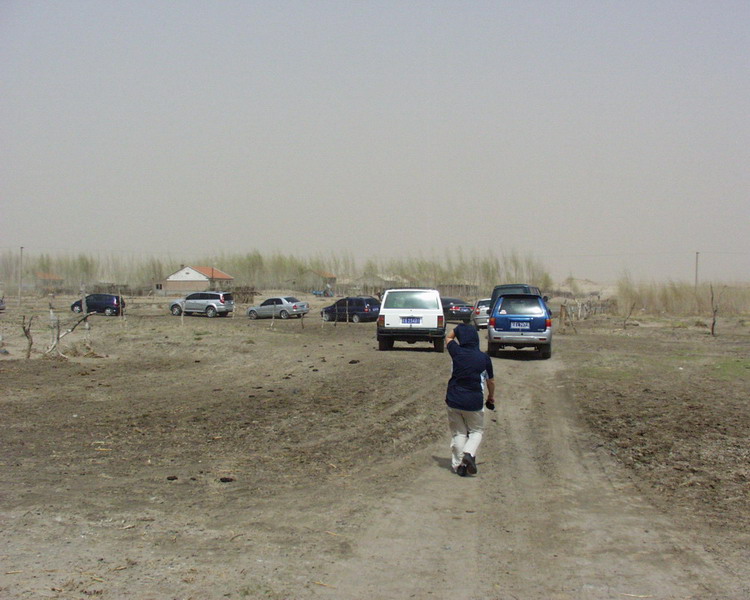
[(490, 404)]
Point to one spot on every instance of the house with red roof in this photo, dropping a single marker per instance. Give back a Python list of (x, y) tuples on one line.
[(49, 283), (194, 279)]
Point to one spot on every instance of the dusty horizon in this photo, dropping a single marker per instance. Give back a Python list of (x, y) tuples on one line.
[(601, 139)]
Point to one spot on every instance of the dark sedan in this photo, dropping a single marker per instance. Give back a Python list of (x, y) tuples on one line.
[(352, 308), (456, 309)]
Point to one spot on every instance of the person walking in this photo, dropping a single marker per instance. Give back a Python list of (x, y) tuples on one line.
[(472, 369)]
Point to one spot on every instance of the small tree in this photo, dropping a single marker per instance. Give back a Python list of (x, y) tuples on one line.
[(714, 310)]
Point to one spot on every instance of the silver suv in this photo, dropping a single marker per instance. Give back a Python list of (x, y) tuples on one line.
[(210, 304), (480, 316)]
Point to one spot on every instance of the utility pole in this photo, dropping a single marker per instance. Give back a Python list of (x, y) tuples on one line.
[(20, 275), (696, 270)]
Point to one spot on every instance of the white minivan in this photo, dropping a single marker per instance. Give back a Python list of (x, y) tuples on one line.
[(411, 315)]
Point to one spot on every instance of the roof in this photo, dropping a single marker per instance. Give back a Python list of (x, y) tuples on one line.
[(212, 273), (324, 274), (48, 276)]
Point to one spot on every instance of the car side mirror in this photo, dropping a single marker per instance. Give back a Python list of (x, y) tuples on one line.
[(545, 298)]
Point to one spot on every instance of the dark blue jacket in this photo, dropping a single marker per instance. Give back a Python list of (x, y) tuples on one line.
[(469, 362)]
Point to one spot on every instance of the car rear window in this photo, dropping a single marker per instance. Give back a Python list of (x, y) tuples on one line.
[(291, 299), (411, 299), (228, 297), (520, 306)]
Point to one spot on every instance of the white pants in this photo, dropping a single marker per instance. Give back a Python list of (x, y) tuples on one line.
[(466, 427)]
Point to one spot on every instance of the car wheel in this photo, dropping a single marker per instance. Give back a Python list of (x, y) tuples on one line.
[(176, 310), (77, 308), (109, 311), (252, 314), (283, 315), (210, 312), (545, 351), (385, 344), (356, 319), (491, 349), (439, 345), (326, 316)]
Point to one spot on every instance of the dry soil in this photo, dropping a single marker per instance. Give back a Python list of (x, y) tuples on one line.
[(195, 458)]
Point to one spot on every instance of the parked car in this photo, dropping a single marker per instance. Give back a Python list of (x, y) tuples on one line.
[(281, 307), (352, 308), (480, 316), (456, 309), (211, 304), (109, 304), (520, 321), (411, 315), (2, 303)]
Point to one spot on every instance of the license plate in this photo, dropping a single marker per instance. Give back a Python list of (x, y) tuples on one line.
[(520, 325), (411, 320)]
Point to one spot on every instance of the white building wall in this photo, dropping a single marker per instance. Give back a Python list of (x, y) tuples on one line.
[(187, 274)]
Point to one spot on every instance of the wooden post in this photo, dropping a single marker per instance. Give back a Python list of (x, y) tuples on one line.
[(20, 275), (122, 306)]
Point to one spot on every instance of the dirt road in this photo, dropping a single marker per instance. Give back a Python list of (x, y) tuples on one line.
[(548, 516), (227, 458)]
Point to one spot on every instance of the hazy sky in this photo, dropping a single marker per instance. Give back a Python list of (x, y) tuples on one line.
[(599, 137)]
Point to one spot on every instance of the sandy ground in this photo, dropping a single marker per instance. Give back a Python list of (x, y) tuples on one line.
[(228, 458)]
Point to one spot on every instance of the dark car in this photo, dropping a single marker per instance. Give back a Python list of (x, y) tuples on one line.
[(513, 288), (520, 321), (456, 309), (109, 304), (352, 308)]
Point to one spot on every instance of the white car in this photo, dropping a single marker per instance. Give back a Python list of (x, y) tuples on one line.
[(411, 315), (281, 307)]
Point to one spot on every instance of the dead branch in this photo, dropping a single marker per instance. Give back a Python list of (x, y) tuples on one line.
[(27, 332), (714, 310), (630, 312), (60, 336)]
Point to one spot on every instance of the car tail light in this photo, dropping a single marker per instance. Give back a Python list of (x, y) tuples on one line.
[(294, 307), (476, 311), (492, 321), (367, 309), (548, 323), (221, 298), (381, 320), (441, 321)]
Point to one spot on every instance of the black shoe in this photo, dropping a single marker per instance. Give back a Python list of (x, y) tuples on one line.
[(461, 470), (469, 463)]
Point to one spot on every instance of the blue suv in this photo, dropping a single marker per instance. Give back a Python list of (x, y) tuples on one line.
[(520, 321)]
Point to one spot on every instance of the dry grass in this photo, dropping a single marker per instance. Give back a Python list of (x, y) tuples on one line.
[(678, 298), (137, 273)]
